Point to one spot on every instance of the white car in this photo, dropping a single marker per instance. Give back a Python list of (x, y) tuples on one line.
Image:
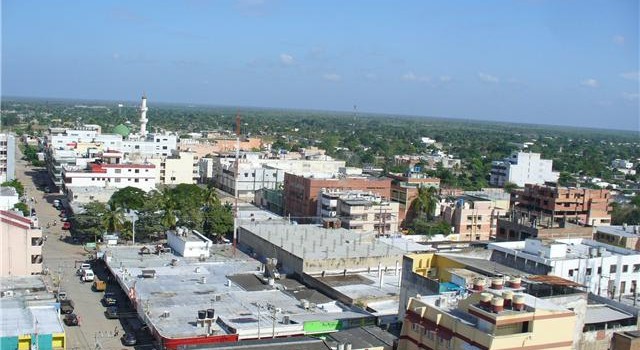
[(88, 275)]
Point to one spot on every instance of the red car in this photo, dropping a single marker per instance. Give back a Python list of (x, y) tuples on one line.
[(66, 226)]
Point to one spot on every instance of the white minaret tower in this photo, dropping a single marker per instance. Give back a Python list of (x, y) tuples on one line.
[(143, 116)]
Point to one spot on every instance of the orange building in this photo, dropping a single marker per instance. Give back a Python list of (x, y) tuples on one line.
[(555, 204), (301, 193), (404, 189)]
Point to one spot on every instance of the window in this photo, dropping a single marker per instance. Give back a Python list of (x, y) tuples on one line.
[(118, 171), (625, 268), (469, 227), (623, 286), (164, 147), (137, 171), (117, 179), (246, 174), (571, 273), (612, 268), (137, 147), (599, 270), (589, 272), (137, 180), (636, 267)]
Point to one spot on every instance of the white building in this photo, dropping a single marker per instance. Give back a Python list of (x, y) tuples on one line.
[(189, 243), (522, 168), (256, 172), (8, 198), (621, 164), (141, 176), (604, 269), (7, 157)]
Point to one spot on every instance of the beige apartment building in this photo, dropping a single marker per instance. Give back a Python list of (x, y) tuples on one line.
[(472, 218), (487, 321), (20, 245)]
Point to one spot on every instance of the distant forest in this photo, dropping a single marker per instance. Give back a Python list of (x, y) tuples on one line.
[(360, 139)]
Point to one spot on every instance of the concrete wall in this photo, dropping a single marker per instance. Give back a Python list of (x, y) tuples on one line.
[(287, 262), (412, 284)]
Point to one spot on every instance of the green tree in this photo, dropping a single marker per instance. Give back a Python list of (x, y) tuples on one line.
[(509, 187), (128, 198), (424, 205), (15, 184), (565, 179), (113, 219), (24, 208), (89, 222)]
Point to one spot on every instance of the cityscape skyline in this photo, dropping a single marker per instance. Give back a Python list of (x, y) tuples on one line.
[(531, 62)]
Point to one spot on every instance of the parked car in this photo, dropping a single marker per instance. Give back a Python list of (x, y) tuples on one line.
[(47, 189), (83, 266), (109, 299), (129, 339), (111, 312), (88, 275), (66, 226), (71, 319), (66, 306)]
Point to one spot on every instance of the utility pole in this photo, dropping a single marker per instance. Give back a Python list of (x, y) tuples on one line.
[(235, 187)]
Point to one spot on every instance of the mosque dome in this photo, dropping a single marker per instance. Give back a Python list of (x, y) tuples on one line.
[(122, 130)]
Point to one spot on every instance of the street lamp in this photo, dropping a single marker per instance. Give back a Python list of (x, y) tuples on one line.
[(133, 216)]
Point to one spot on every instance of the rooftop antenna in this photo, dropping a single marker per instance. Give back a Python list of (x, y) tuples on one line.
[(235, 187)]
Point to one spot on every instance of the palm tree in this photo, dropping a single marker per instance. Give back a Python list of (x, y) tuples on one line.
[(211, 199), (425, 203), (164, 202), (113, 219)]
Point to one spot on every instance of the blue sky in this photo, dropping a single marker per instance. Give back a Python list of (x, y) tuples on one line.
[(550, 62)]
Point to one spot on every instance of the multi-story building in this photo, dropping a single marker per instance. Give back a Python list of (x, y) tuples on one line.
[(603, 269), (178, 168), (219, 144), (121, 175), (7, 157), (472, 218), (522, 168), (256, 171), (301, 192), (360, 211), (542, 203), (625, 236), (404, 189), (20, 245), (490, 320)]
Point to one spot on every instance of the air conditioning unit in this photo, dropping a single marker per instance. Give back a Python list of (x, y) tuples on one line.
[(166, 314), (7, 294)]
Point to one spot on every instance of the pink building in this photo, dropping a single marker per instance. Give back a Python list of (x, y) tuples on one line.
[(20, 245)]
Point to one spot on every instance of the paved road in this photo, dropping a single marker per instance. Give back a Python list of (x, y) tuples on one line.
[(62, 258)]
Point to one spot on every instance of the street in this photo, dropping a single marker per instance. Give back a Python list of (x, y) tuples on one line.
[(62, 258)]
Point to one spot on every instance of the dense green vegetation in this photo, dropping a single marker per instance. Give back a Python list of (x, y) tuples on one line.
[(362, 139), (157, 211)]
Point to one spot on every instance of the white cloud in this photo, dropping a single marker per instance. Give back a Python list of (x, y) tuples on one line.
[(445, 79), (410, 76), (631, 75), (592, 83), (618, 40), (116, 56), (630, 96), (331, 77), (286, 59), (488, 78)]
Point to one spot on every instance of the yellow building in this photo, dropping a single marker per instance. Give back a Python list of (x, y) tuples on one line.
[(486, 321)]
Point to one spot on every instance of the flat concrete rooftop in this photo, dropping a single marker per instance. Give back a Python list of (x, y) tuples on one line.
[(169, 302), (313, 242), (31, 303)]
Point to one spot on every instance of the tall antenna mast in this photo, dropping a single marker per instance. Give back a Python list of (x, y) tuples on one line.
[(235, 187)]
